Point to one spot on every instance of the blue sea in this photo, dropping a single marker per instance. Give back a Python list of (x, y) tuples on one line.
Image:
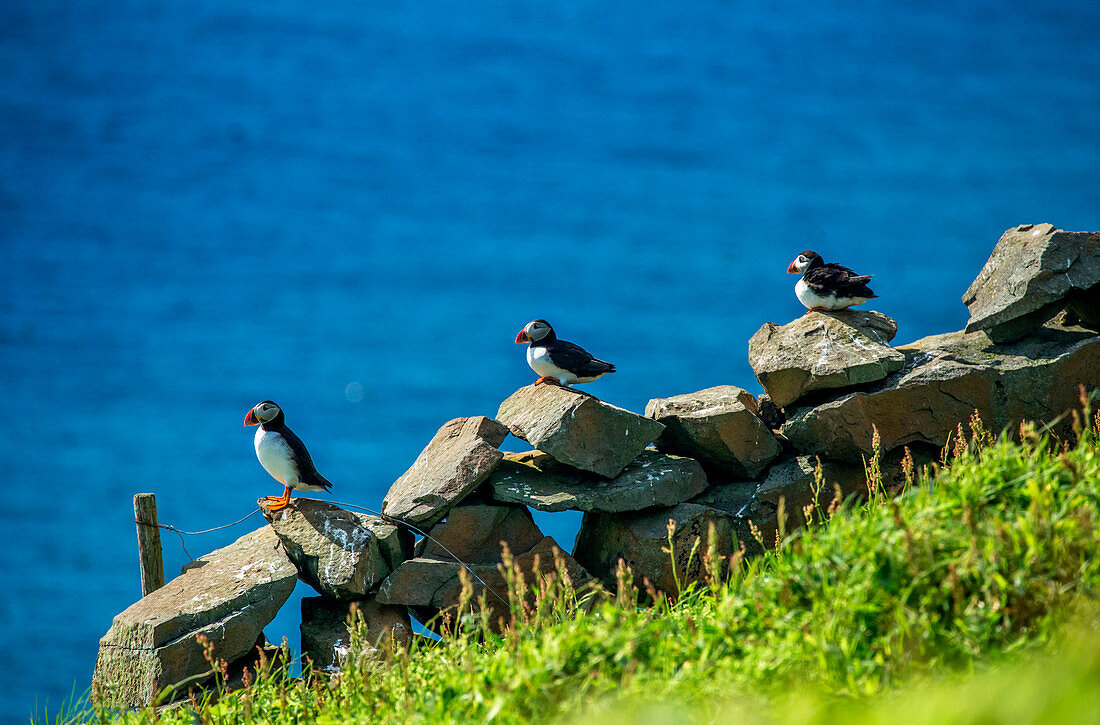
[(352, 208)]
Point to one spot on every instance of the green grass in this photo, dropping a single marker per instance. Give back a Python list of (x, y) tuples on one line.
[(936, 603)]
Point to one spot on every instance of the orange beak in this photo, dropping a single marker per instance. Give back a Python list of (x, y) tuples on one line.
[(791, 269), (522, 337), (251, 418)]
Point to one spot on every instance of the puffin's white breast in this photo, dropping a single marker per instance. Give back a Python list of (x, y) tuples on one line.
[(276, 457), (539, 360)]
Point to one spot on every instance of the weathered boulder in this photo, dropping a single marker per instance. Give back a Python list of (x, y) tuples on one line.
[(227, 596), (431, 584), (578, 429), (946, 379), (641, 541), (823, 350), (341, 554), (794, 481), (474, 532), (652, 479), (718, 427), (461, 455), (327, 641), (1034, 271), (733, 497)]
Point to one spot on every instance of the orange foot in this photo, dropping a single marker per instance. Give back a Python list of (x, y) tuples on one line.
[(278, 503), (547, 379)]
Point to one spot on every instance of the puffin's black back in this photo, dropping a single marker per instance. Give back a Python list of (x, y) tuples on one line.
[(576, 359), (307, 473), (836, 279)]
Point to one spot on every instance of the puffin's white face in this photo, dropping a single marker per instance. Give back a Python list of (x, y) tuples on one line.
[(536, 330), (264, 412), (799, 264)]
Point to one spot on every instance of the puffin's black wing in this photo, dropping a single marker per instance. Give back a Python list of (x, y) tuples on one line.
[(576, 359), (306, 472), (835, 279)]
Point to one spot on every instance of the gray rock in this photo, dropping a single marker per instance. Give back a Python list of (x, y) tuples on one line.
[(474, 532), (641, 540), (228, 596), (718, 427), (732, 497), (791, 486), (327, 641), (946, 379), (461, 455), (1033, 272), (431, 585), (822, 350), (577, 428), (652, 479), (341, 554)]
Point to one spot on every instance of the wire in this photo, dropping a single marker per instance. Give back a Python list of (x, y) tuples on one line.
[(398, 522), (180, 533), (385, 517)]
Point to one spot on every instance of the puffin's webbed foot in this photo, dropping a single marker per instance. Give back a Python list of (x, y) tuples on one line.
[(278, 503), (548, 380)]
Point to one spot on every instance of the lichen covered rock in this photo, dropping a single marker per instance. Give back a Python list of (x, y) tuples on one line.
[(823, 350), (1035, 270), (431, 583), (718, 427), (651, 480), (341, 554), (226, 596), (946, 379), (456, 461), (327, 641), (578, 429), (641, 541)]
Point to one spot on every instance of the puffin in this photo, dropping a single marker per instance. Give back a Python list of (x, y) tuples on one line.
[(558, 361), (282, 454), (828, 286)]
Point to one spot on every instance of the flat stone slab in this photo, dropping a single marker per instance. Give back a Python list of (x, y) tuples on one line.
[(652, 479), (734, 497), (430, 584), (823, 350), (718, 427), (474, 532), (341, 554), (327, 641), (946, 379), (457, 460), (578, 429), (640, 540), (1034, 271), (228, 596)]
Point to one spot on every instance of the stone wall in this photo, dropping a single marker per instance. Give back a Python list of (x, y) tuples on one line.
[(718, 459)]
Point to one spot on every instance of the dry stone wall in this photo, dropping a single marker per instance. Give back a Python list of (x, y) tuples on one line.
[(716, 459)]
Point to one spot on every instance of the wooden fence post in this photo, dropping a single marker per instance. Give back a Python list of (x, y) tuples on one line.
[(148, 536)]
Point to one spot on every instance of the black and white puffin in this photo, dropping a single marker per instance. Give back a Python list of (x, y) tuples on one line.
[(828, 286), (282, 454), (558, 361)]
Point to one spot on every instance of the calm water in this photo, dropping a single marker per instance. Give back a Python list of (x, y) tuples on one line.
[(210, 203)]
